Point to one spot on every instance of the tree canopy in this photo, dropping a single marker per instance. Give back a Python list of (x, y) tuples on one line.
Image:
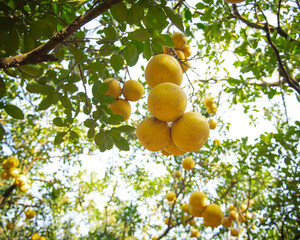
[(86, 174)]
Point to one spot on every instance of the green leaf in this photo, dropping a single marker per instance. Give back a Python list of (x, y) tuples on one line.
[(73, 135), (46, 102), (175, 17), (119, 12), (233, 81), (2, 88), (121, 143), (140, 34), (66, 102), (115, 119), (147, 50), (126, 128), (117, 62), (12, 42), (59, 138), (39, 88), (90, 123), (100, 141), (200, 5), (14, 111), (156, 18), (110, 33), (135, 14), (131, 54), (106, 99), (108, 143), (96, 66), (32, 70), (91, 133), (70, 87), (2, 132), (59, 122)]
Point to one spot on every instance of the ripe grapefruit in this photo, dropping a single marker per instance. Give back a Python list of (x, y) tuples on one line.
[(190, 132), (153, 134), (121, 107), (167, 102), (163, 68), (133, 90)]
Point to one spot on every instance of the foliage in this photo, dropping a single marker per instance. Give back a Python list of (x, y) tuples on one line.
[(54, 57)]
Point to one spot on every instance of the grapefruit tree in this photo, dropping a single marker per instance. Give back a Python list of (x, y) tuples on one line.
[(82, 156)]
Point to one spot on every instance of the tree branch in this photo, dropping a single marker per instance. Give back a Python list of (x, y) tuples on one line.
[(41, 53), (6, 194), (280, 31)]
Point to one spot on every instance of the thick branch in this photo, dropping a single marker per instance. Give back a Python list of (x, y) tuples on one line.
[(41, 53), (280, 31), (7, 194)]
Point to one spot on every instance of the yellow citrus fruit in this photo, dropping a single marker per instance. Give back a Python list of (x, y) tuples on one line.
[(194, 233), (244, 207), (133, 90), (205, 223), (233, 215), (198, 200), (155, 238), (163, 68), (10, 162), (226, 222), (217, 142), (262, 220), (172, 149), (5, 175), (248, 215), (178, 54), (192, 222), (167, 221), (213, 215), (171, 196), (114, 88), (167, 102), (231, 207), (25, 187), (187, 51), (164, 152), (242, 218), (190, 132), (212, 124), (212, 110), (9, 226), (234, 1), (196, 212), (185, 222), (185, 207), (253, 226), (30, 213), (43, 238), (179, 40), (14, 172), (21, 179), (121, 107), (153, 134), (35, 236), (234, 232), (208, 101), (177, 174), (188, 163)]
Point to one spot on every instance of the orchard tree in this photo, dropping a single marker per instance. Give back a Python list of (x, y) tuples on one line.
[(82, 83)]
